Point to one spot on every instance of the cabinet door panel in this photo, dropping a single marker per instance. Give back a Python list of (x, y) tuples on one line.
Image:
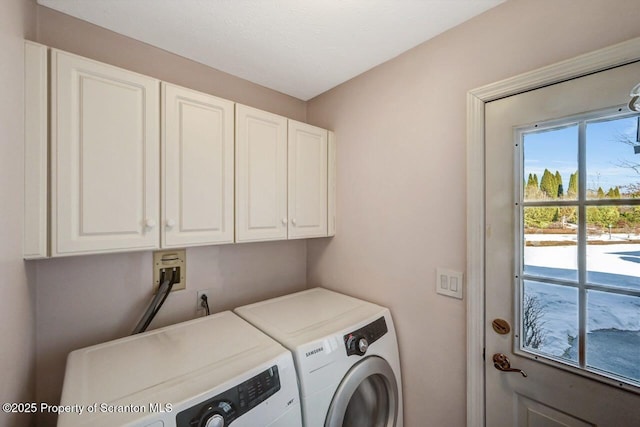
[(197, 168), (307, 181), (261, 175), (105, 148)]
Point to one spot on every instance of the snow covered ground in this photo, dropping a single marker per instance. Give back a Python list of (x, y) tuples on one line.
[(610, 317)]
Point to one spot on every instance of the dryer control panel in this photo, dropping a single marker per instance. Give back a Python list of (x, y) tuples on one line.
[(358, 341), (223, 409)]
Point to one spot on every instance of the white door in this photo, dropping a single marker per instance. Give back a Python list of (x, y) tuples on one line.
[(562, 262), (261, 175), (105, 157), (197, 168), (307, 181)]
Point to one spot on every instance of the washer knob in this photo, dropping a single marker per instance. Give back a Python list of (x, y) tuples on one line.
[(215, 414)]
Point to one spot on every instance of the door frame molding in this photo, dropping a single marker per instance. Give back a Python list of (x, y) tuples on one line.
[(600, 60)]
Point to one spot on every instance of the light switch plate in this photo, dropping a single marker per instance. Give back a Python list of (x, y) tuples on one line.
[(449, 282)]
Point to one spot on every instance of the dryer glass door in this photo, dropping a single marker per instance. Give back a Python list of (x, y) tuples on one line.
[(366, 397)]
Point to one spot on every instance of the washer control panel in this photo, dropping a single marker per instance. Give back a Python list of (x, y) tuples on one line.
[(357, 342), (223, 409)]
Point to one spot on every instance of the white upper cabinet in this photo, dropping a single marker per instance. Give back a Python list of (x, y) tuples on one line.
[(197, 168), (307, 181), (35, 151), (261, 175), (99, 179), (105, 157)]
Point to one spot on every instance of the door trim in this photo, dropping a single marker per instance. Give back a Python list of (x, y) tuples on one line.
[(600, 60)]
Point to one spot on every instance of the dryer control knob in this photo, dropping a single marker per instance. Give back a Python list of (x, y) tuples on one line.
[(363, 345), (357, 344), (216, 421)]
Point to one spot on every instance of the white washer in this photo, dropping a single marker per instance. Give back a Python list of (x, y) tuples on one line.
[(209, 372), (346, 356)]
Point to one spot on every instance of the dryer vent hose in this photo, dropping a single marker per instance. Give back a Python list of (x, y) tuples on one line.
[(166, 284)]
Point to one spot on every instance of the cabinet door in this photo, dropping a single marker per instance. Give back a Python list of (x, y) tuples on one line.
[(307, 181), (261, 175), (105, 157), (197, 168)]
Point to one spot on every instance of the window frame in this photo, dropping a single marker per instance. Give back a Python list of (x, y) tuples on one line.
[(581, 203)]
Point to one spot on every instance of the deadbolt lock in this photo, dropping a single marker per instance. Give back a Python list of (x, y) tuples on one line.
[(501, 326)]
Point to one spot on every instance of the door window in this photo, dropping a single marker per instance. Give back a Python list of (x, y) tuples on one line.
[(578, 263)]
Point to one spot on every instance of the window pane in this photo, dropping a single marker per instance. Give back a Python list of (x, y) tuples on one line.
[(612, 165), (550, 319), (550, 242), (613, 333), (551, 164), (613, 246)]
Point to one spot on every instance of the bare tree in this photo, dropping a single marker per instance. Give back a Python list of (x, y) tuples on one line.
[(626, 139), (533, 313)]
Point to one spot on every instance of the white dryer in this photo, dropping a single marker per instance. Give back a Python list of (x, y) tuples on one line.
[(209, 372), (346, 356)]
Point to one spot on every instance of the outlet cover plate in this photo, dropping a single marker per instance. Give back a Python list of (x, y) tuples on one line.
[(209, 294)]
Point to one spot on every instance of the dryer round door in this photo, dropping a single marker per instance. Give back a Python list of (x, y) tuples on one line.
[(366, 397)]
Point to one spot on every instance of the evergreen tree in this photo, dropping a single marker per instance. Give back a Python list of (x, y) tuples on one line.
[(531, 191), (560, 191), (535, 180), (530, 181), (600, 193), (572, 191), (539, 217), (548, 184), (603, 216)]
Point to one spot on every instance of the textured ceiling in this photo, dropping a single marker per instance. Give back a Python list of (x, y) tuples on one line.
[(298, 47)]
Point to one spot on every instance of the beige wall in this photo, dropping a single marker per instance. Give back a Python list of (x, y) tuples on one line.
[(401, 176), (90, 299), (17, 21)]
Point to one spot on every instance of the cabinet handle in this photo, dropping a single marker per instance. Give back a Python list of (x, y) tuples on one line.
[(293, 221), (284, 221), (149, 223), (171, 223)]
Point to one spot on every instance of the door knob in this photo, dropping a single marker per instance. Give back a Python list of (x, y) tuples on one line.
[(501, 363)]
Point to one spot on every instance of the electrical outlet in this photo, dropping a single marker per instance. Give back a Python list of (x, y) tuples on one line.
[(199, 306)]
